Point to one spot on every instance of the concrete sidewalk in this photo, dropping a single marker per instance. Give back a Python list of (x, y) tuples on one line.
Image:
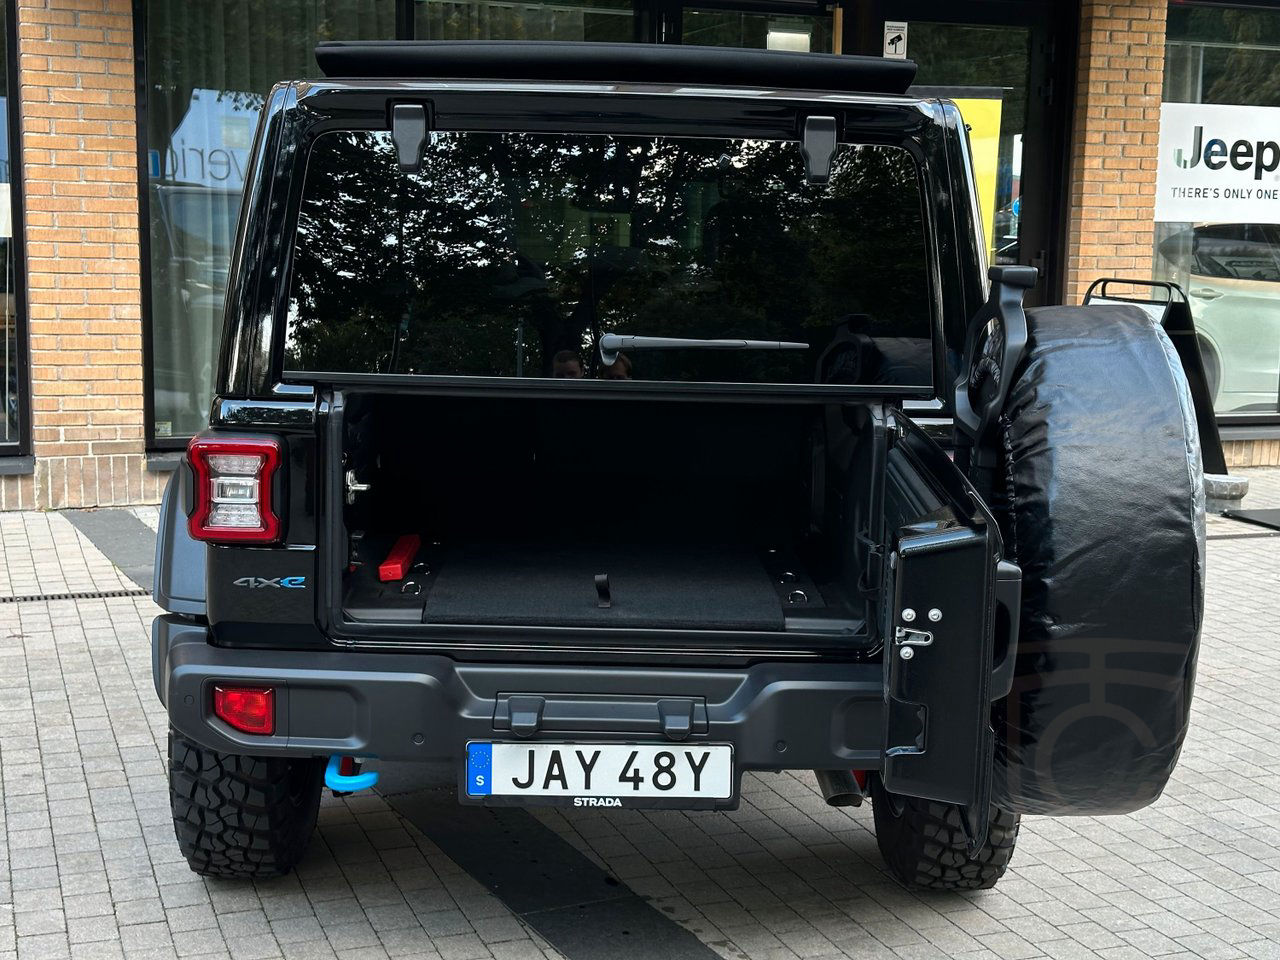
[(89, 867)]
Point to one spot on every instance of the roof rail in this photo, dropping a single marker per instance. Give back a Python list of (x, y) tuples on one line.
[(613, 62)]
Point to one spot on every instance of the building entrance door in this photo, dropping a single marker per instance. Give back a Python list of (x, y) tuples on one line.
[(999, 61)]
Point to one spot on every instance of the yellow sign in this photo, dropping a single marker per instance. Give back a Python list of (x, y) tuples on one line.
[(983, 118)]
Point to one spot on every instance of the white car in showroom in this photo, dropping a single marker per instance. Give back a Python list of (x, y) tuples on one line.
[(1231, 274)]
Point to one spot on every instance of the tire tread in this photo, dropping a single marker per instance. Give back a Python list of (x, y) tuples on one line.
[(926, 846), (241, 816)]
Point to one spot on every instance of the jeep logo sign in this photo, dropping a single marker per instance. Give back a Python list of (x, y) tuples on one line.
[(1218, 162), (1266, 157)]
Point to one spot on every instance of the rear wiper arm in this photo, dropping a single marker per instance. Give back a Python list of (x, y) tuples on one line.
[(611, 344)]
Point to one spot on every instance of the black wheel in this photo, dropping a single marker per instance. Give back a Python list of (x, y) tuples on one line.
[(237, 816), (923, 843)]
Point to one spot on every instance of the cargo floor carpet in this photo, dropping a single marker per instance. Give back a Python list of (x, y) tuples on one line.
[(661, 586)]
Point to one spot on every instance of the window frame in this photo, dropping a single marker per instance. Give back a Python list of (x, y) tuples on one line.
[(22, 446), (481, 107)]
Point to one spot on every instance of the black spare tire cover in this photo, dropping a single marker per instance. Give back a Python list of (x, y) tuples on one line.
[(1105, 515)]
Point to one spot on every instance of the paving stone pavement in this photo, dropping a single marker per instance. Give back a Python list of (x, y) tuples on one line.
[(89, 867)]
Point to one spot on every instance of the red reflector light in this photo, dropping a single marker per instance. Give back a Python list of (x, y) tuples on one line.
[(247, 709), (233, 481)]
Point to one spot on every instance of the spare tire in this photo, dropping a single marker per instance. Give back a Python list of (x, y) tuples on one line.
[(1104, 513)]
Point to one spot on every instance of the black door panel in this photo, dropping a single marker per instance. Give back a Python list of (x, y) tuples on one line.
[(943, 635), (938, 662)]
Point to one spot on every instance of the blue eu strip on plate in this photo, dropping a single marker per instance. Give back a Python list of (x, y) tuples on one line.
[(479, 769)]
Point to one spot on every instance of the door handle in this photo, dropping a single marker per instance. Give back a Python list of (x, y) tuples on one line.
[(1205, 293)]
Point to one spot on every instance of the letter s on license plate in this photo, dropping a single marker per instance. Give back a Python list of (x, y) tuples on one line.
[(607, 770)]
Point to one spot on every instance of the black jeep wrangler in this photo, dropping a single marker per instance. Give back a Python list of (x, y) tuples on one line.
[(567, 431)]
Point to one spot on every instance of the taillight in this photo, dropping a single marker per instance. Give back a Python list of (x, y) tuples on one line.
[(233, 490), (247, 709)]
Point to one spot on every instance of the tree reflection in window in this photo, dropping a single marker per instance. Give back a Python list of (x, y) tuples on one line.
[(508, 249)]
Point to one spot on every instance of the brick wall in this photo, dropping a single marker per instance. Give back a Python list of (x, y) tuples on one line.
[(79, 154), (1115, 133), (1251, 453)]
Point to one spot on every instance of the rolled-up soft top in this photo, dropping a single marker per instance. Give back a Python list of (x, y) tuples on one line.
[(612, 62)]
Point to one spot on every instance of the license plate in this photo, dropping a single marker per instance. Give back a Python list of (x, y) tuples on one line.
[(611, 772)]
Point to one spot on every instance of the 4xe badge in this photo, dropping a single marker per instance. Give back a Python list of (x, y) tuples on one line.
[(256, 583)]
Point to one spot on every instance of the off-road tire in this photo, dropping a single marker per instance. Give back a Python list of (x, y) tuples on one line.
[(923, 843), (241, 817)]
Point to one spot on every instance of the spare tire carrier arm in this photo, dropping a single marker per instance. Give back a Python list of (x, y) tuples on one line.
[(994, 347)]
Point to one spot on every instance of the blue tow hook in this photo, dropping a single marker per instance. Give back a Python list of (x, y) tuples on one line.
[(336, 781)]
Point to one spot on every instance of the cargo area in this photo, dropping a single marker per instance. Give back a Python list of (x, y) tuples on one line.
[(617, 515)]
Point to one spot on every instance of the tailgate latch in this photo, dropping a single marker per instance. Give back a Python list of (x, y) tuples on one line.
[(905, 638), (353, 486)]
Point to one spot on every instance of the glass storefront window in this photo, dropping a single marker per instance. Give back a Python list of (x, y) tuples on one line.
[(1230, 271), (12, 368), (761, 31), (595, 20), (209, 65), (986, 70)]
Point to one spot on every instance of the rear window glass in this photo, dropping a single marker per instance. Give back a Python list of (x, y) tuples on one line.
[(523, 255)]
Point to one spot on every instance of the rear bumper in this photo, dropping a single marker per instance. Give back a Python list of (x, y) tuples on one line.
[(425, 707)]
